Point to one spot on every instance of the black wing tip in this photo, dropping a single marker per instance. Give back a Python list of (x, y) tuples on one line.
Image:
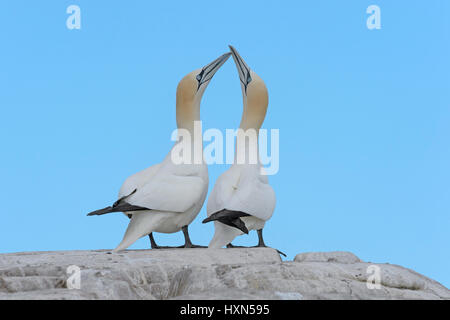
[(123, 207), (94, 213), (90, 214), (231, 218), (100, 211), (239, 224)]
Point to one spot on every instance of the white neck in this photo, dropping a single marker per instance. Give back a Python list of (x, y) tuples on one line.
[(247, 148)]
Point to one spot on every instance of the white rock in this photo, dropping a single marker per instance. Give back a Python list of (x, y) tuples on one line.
[(334, 256), (247, 273), (289, 295)]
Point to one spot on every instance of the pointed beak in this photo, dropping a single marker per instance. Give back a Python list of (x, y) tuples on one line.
[(242, 67), (210, 69)]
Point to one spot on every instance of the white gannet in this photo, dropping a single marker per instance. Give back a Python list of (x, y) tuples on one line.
[(167, 197), (242, 198)]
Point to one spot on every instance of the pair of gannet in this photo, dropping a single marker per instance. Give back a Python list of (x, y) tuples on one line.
[(167, 197)]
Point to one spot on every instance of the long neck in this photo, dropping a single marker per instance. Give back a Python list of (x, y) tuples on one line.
[(187, 114), (250, 119), (247, 149), (189, 132)]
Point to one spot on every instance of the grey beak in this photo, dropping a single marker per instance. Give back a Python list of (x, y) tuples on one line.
[(242, 67), (210, 69)]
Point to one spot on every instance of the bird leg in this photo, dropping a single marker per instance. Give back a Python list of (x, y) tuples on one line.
[(262, 244), (260, 239), (187, 239), (154, 245), (152, 241)]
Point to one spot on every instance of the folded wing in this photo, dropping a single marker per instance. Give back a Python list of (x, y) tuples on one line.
[(245, 191), (169, 192), (255, 198)]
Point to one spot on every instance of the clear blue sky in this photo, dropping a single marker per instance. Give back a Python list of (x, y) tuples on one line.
[(363, 116)]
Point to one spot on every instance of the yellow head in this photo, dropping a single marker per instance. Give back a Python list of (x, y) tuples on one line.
[(190, 91), (254, 94)]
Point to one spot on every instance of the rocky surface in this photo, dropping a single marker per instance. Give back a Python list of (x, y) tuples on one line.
[(239, 273)]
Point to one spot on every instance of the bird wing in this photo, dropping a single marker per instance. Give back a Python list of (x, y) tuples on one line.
[(223, 191), (243, 190), (254, 197), (137, 180), (169, 192)]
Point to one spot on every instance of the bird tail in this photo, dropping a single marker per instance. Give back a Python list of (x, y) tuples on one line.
[(123, 207), (141, 224), (223, 235)]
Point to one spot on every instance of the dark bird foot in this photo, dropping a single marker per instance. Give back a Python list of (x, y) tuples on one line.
[(187, 240), (261, 243), (282, 253), (190, 245), (163, 247), (155, 246), (258, 246), (230, 245), (264, 246)]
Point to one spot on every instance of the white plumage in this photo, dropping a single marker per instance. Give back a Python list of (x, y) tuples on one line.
[(168, 196), (243, 189), (175, 193)]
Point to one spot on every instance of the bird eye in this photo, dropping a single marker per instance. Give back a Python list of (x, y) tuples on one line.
[(249, 79), (198, 77)]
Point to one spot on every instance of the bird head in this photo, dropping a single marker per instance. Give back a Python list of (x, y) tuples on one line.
[(254, 92), (191, 88), (193, 85)]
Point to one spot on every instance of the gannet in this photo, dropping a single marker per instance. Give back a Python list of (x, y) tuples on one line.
[(167, 197), (242, 198)]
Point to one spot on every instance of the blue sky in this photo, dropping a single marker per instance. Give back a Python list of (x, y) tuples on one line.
[(363, 117)]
